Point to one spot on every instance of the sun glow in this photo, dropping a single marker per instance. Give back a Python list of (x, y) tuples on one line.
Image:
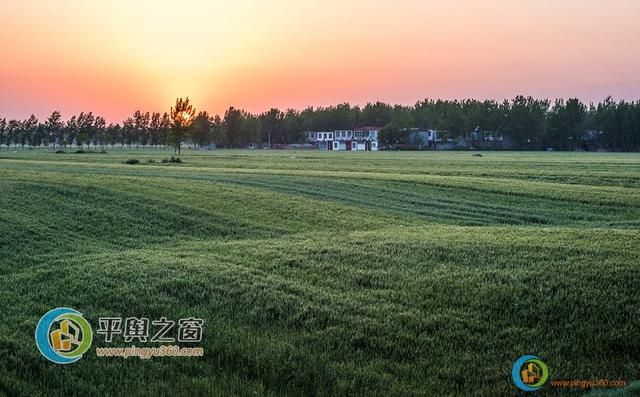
[(118, 56), (185, 118)]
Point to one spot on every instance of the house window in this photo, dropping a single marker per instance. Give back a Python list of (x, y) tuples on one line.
[(335, 145)]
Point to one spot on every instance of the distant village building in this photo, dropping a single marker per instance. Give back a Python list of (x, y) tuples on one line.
[(423, 138), (361, 139), (479, 135)]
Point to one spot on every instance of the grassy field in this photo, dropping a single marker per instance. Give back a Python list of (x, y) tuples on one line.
[(325, 273)]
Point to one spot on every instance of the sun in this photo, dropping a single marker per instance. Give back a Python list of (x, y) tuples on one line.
[(185, 118)]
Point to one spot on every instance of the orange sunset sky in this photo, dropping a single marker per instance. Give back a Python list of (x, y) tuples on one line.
[(113, 57)]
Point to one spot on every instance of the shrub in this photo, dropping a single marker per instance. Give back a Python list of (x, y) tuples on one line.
[(80, 151), (151, 161), (175, 160), (132, 161), (164, 161), (60, 151)]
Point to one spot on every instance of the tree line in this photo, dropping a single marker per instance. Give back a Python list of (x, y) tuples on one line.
[(527, 122)]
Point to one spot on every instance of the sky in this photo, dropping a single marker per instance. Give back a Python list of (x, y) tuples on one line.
[(114, 57)]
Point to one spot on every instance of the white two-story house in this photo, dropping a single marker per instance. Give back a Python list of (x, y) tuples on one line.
[(361, 139)]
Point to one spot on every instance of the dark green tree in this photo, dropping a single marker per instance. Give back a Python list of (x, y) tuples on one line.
[(201, 129), (14, 129), (566, 124), (233, 126), (55, 128), (29, 132), (272, 126), (85, 129), (217, 131), (155, 128), (181, 118), (3, 132)]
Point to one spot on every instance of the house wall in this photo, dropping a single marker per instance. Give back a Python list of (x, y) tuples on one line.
[(359, 140), (321, 136)]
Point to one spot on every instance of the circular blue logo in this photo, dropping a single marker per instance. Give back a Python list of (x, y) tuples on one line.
[(63, 335), (529, 373)]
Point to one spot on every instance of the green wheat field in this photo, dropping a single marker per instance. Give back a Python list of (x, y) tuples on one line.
[(390, 273)]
